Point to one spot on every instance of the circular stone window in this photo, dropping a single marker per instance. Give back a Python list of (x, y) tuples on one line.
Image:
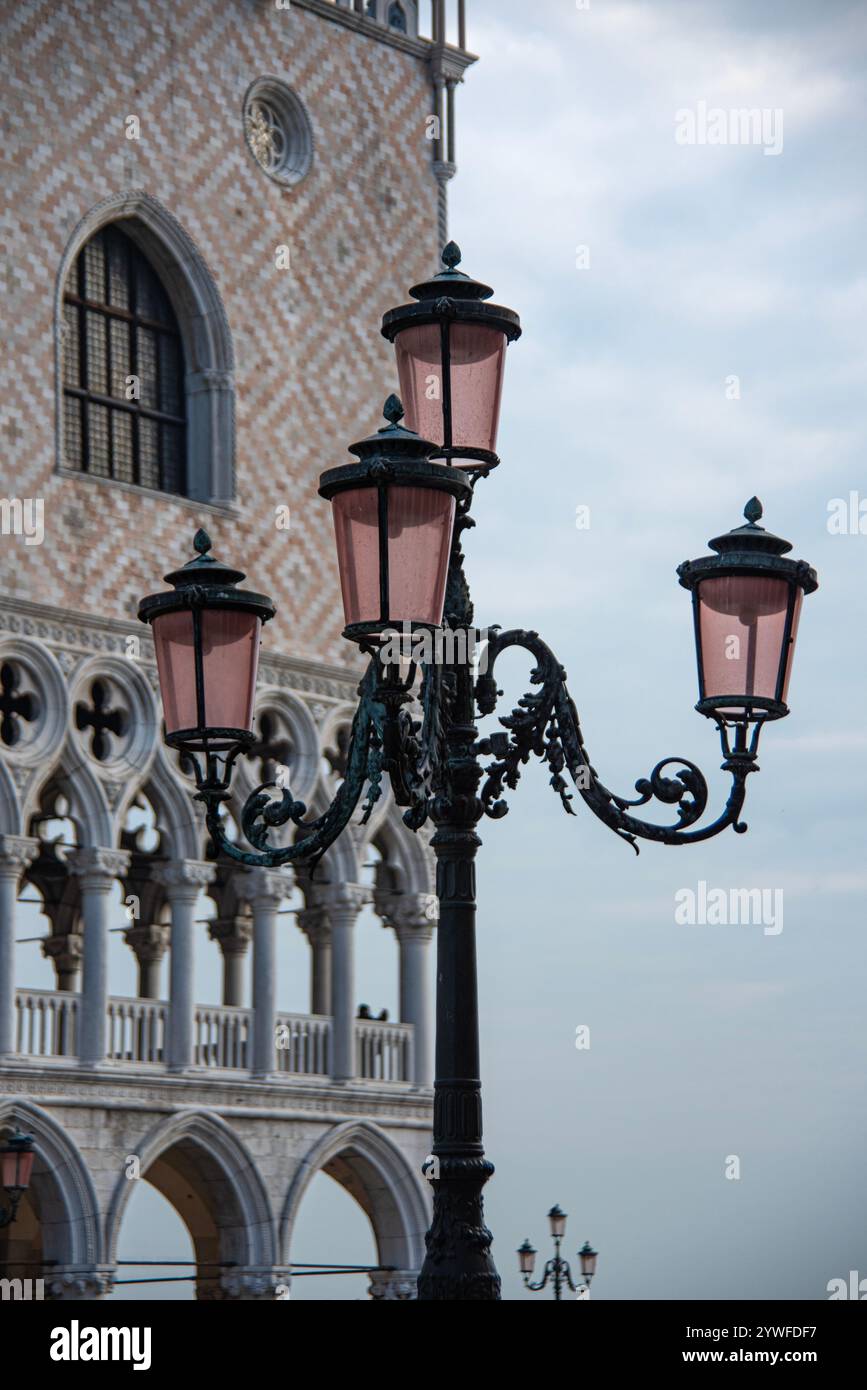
[(278, 131)]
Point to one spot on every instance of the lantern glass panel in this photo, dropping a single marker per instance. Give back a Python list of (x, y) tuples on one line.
[(16, 1167), (356, 531), (230, 658), (478, 359), (742, 622), (420, 522)]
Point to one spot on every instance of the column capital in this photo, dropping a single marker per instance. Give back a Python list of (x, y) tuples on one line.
[(17, 852), (346, 897), (97, 866), (410, 915), (148, 943), (261, 887), (232, 934), (394, 1285), (314, 923), (184, 878)]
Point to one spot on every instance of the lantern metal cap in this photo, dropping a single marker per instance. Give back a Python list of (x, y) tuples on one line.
[(19, 1142), (451, 281), (394, 440), (394, 455), (205, 582), (752, 537), (749, 549), (451, 295)]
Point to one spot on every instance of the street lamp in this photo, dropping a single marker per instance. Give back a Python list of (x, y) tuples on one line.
[(16, 1165), (397, 514), (557, 1269)]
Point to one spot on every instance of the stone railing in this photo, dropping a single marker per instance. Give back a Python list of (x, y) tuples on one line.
[(220, 1036), (136, 1030), (46, 1023), (303, 1044), (383, 1051), (46, 1026)]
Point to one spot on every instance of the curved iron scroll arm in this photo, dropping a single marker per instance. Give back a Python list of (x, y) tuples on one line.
[(261, 812), (545, 723)]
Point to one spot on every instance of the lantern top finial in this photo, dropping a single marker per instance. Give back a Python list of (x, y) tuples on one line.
[(451, 255), (753, 511), (202, 541), (393, 410)]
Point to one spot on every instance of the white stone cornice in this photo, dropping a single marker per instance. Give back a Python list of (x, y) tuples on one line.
[(98, 866), (16, 853)]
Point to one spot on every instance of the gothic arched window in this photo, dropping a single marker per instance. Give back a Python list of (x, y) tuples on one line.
[(397, 18), (123, 368)]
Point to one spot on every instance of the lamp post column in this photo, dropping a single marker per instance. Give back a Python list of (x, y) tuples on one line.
[(183, 881), (458, 1265), (16, 852), (98, 869)]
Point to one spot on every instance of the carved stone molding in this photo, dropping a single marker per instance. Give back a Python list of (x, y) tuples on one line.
[(97, 867), (265, 887), (184, 878), (17, 852), (394, 1285)]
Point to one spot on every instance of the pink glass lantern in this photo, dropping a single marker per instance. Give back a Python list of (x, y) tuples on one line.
[(394, 514), (747, 603), (451, 354), (206, 637), (16, 1162)]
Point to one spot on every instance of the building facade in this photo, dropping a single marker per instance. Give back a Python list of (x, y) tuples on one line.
[(207, 210)]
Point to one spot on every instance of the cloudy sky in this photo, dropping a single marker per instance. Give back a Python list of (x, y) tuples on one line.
[(706, 263), (694, 333)]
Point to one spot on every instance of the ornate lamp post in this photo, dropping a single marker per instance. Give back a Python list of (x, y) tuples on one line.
[(16, 1165), (399, 517), (557, 1269)]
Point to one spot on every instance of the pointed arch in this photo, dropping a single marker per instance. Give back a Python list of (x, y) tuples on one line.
[(370, 1166), (204, 329), (67, 1206), (227, 1212)]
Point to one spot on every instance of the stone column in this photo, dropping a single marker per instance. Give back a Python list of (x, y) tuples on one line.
[(66, 953), (412, 916), (343, 907), (16, 852), (97, 870), (183, 879), (149, 945), (266, 890), (315, 925), (232, 935)]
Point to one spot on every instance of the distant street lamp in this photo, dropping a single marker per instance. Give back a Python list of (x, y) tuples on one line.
[(557, 1269), (400, 511), (16, 1165)]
